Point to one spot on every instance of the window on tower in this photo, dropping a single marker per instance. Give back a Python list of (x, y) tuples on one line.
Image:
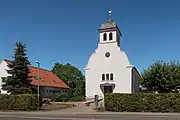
[(111, 76), (104, 37), (110, 36), (107, 76), (103, 77)]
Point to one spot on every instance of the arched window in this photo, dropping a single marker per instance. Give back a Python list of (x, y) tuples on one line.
[(110, 36), (103, 77), (111, 76), (107, 76), (104, 37)]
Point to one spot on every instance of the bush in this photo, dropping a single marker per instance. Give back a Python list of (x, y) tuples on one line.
[(63, 97), (143, 102), (77, 98), (24, 102)]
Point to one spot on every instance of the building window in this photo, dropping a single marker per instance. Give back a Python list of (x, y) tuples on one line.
[(103, 77), (110, 36), (107, 76), (111, 76), (104, 37)]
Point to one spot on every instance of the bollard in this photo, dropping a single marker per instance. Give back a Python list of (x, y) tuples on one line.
[(96, 101)]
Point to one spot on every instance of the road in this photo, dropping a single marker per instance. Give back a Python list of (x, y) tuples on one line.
[(90, 117)]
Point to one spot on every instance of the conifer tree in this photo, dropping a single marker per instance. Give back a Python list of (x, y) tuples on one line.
[(18, 81)]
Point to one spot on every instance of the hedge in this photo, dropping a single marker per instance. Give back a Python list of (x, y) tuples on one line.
[(142, 102), (63, 97), (24, 102), (77, 98)]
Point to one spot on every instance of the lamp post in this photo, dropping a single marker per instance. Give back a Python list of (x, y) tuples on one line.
[(38, 82)]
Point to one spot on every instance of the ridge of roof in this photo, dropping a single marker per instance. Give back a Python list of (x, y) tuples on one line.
[(47, 77), (29, 65), (40, 68)]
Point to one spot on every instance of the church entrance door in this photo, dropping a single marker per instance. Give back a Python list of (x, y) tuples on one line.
[(108, 89)]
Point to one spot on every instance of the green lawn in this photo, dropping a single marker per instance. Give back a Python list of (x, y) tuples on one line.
[(56, 106)]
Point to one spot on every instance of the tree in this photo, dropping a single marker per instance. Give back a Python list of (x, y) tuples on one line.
[(19, 80), (79, 90), (72, 76), (163, 77)]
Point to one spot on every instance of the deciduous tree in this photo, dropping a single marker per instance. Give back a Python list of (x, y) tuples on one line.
[(163, 77), (72, 76)]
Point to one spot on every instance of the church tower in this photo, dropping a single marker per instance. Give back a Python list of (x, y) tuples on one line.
[(109, 32), (108, 68)]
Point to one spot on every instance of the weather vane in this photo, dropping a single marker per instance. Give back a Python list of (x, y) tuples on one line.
[(110, 14)]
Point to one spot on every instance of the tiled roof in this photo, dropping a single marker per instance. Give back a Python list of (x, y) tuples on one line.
[(8, 61), (47, 78)]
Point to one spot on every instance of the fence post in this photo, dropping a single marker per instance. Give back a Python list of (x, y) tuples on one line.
[(96, 101)]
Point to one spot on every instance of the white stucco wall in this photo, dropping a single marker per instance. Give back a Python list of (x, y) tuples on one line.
[(125, 79), (3, 73), (117, 64), (113, 39)]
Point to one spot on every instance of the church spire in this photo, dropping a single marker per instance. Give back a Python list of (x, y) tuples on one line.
[(110, 15)]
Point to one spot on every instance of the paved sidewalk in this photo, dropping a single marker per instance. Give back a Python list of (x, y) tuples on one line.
[(80, 107)]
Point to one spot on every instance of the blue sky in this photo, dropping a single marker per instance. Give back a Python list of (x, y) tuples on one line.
[(66, 30)]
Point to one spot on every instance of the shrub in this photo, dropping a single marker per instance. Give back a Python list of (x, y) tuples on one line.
[(143, 102), (63, 97), (24, 102), (77, 98)]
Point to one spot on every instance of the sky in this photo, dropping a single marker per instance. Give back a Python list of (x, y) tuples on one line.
[(65, 31)]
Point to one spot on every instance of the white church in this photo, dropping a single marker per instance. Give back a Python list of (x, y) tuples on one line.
[(108, 68)]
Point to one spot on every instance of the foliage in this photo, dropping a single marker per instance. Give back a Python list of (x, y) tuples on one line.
[(24, 102), (63, 97), (143, 102), (19, 81), (79, 90), (72, 76), (77, 98), (163, 77)]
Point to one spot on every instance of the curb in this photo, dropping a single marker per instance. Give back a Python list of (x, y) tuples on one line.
[(90, 113)]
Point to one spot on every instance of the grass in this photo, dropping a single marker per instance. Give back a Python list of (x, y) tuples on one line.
[(56, 106)]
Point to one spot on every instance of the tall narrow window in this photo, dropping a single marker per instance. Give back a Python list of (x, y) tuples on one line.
[(103, 77), (104, 36), (110, 36), (111, 76), (107, 76)]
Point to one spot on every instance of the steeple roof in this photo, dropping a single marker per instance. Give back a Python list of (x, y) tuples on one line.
[(108, 24)]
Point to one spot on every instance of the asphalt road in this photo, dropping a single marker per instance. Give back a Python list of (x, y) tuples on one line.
[(90, 117)]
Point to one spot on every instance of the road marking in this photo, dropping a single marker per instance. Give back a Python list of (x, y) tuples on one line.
[(52, 118), (49, 118)]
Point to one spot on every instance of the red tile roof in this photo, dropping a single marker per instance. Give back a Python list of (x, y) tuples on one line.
[(47, 78)]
